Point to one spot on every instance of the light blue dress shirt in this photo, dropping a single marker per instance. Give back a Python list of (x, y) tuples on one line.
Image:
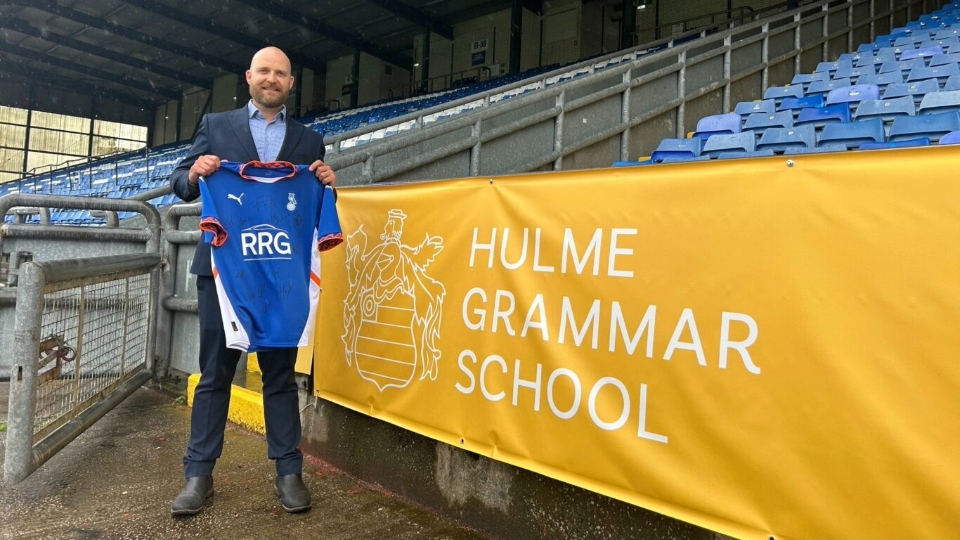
[(267, 136)]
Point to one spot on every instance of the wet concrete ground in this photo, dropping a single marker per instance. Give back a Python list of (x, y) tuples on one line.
[(117, 481)]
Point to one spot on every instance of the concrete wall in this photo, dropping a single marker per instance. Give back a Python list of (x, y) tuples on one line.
[(501, 500)]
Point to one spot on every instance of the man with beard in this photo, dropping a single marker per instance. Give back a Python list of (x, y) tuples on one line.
[(260, 131)]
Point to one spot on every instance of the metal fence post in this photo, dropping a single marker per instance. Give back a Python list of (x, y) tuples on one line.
[(18, 462)]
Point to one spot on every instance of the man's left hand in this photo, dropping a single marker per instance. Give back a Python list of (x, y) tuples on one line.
[(324, 173)]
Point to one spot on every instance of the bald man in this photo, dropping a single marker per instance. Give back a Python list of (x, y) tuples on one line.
[(259, 131)]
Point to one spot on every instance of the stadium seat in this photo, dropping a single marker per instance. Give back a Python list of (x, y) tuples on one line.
[(932, 126), (761, 121), (820, 116), (938, 73), (718, 124), (795, 103), (944, 59), (915, 90), (852, 134), (886, 109), (953, 83), (745, 108), (951, 138), (824, 87), (755, 153), (853, 72), (815, 150), (778, 93), (743, 142), (882, 79), (901, 66), (779, 139), (677, 148), (908, 143), (830, 67), (806, 78), (935, 102), (921, 53), (875, 61), (853, 94)]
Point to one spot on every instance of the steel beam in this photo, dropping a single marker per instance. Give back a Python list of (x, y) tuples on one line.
[(69, 42), (124, 32), (324, 29), (416, 16), (221, 31), (86, 70), (21, 75)]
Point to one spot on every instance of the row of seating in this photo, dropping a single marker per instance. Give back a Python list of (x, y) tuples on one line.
[(903, 90), (943, 128)]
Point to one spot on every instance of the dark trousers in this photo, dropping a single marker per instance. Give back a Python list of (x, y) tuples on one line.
[(211, 399)]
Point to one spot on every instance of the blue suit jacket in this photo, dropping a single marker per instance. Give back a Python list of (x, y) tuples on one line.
[(227, 136)]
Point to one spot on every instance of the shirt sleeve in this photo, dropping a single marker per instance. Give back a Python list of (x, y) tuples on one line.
[(329, 234)]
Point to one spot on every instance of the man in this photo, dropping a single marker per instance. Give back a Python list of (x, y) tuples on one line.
[(260, 131)]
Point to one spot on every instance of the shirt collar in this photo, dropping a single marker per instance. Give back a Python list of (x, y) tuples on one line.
[(254, 112)]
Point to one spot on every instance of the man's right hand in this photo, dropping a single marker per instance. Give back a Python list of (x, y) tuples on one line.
[(203, 166)]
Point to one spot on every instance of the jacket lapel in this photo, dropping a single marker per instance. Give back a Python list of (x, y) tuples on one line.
[(290, 140), (241, 128)]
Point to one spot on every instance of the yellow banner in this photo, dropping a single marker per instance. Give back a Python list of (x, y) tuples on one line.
[(766, 348)]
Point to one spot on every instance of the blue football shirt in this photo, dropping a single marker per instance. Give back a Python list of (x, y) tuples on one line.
[(267, 223)]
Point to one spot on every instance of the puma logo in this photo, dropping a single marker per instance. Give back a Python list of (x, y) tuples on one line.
[(236, 198)]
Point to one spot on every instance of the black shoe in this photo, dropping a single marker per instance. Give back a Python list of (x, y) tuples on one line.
[(194, 494), (294, 496)]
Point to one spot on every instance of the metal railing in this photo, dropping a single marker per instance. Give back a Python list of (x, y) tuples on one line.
[(84, 331)]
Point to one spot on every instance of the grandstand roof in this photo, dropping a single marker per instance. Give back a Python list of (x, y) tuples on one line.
[(146, 52)]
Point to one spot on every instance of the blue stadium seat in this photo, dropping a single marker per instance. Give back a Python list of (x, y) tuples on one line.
[(901, 66), (944, 59), (921, 53), (953, 83), (824, 87), (951, 138), (886, 109), (893, 50), (779, 139), (745, 108), (908, 143), (684, 159), (882, 79), (815, 150), (761, 121), (935, 102), (938, 73), (718, 124), (852, 134), (932, 126), (945, 33), (853, 72), (806, 78), (947, 45), (910, 41), (853, 94), (736, 155), (744, 142), (915, 90), (677, 148), (630, 163), (778, 93), (795, 103), (830, 67), (867, 59), (820, 116)]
